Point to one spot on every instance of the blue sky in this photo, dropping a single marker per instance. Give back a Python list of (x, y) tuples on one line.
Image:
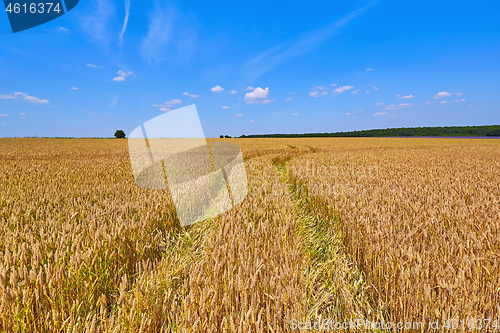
[(253, 67)]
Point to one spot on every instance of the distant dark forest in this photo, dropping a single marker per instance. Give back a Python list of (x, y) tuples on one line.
[(472, 131)]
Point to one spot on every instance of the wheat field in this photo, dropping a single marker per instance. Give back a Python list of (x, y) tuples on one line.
[(342, 229)]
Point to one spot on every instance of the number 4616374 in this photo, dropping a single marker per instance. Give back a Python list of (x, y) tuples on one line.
[(33, 8)]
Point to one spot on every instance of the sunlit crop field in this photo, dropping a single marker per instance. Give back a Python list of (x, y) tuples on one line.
[(383, 230)]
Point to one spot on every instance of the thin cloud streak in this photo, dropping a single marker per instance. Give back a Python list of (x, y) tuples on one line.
[(284, 52), (125, 22), (26, 97)]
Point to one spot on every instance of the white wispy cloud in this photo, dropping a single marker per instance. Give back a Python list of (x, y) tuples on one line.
[(368, 69), (392, 116), (289, 99), (380, 114), (170, 35), (355, 92), (252, 121), (406, 97), (125, 21), (443, 102), (238, 115), (159, 34), (62, 29), (442, 94), (459, 100), (114, 101), (225, 107), (233, 92), (426, 103), (319, 88), (24, 96), (314, 94), (295, 114), (397, 107), (97, 23), (217, 89), (348, 114), (4, 115), (123, 75), (167, 106), (379, 103), (93, 66), (190, 95), (301, 45), (258, 96), (342, 89), (459, 94), (74, 88)]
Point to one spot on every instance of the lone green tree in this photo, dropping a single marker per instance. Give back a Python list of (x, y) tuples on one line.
[(119, 134)]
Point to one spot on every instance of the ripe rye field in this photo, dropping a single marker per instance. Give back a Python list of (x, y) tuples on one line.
[(341, 228)]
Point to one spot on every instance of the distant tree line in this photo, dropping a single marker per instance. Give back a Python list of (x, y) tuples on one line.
[(493, 130)]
